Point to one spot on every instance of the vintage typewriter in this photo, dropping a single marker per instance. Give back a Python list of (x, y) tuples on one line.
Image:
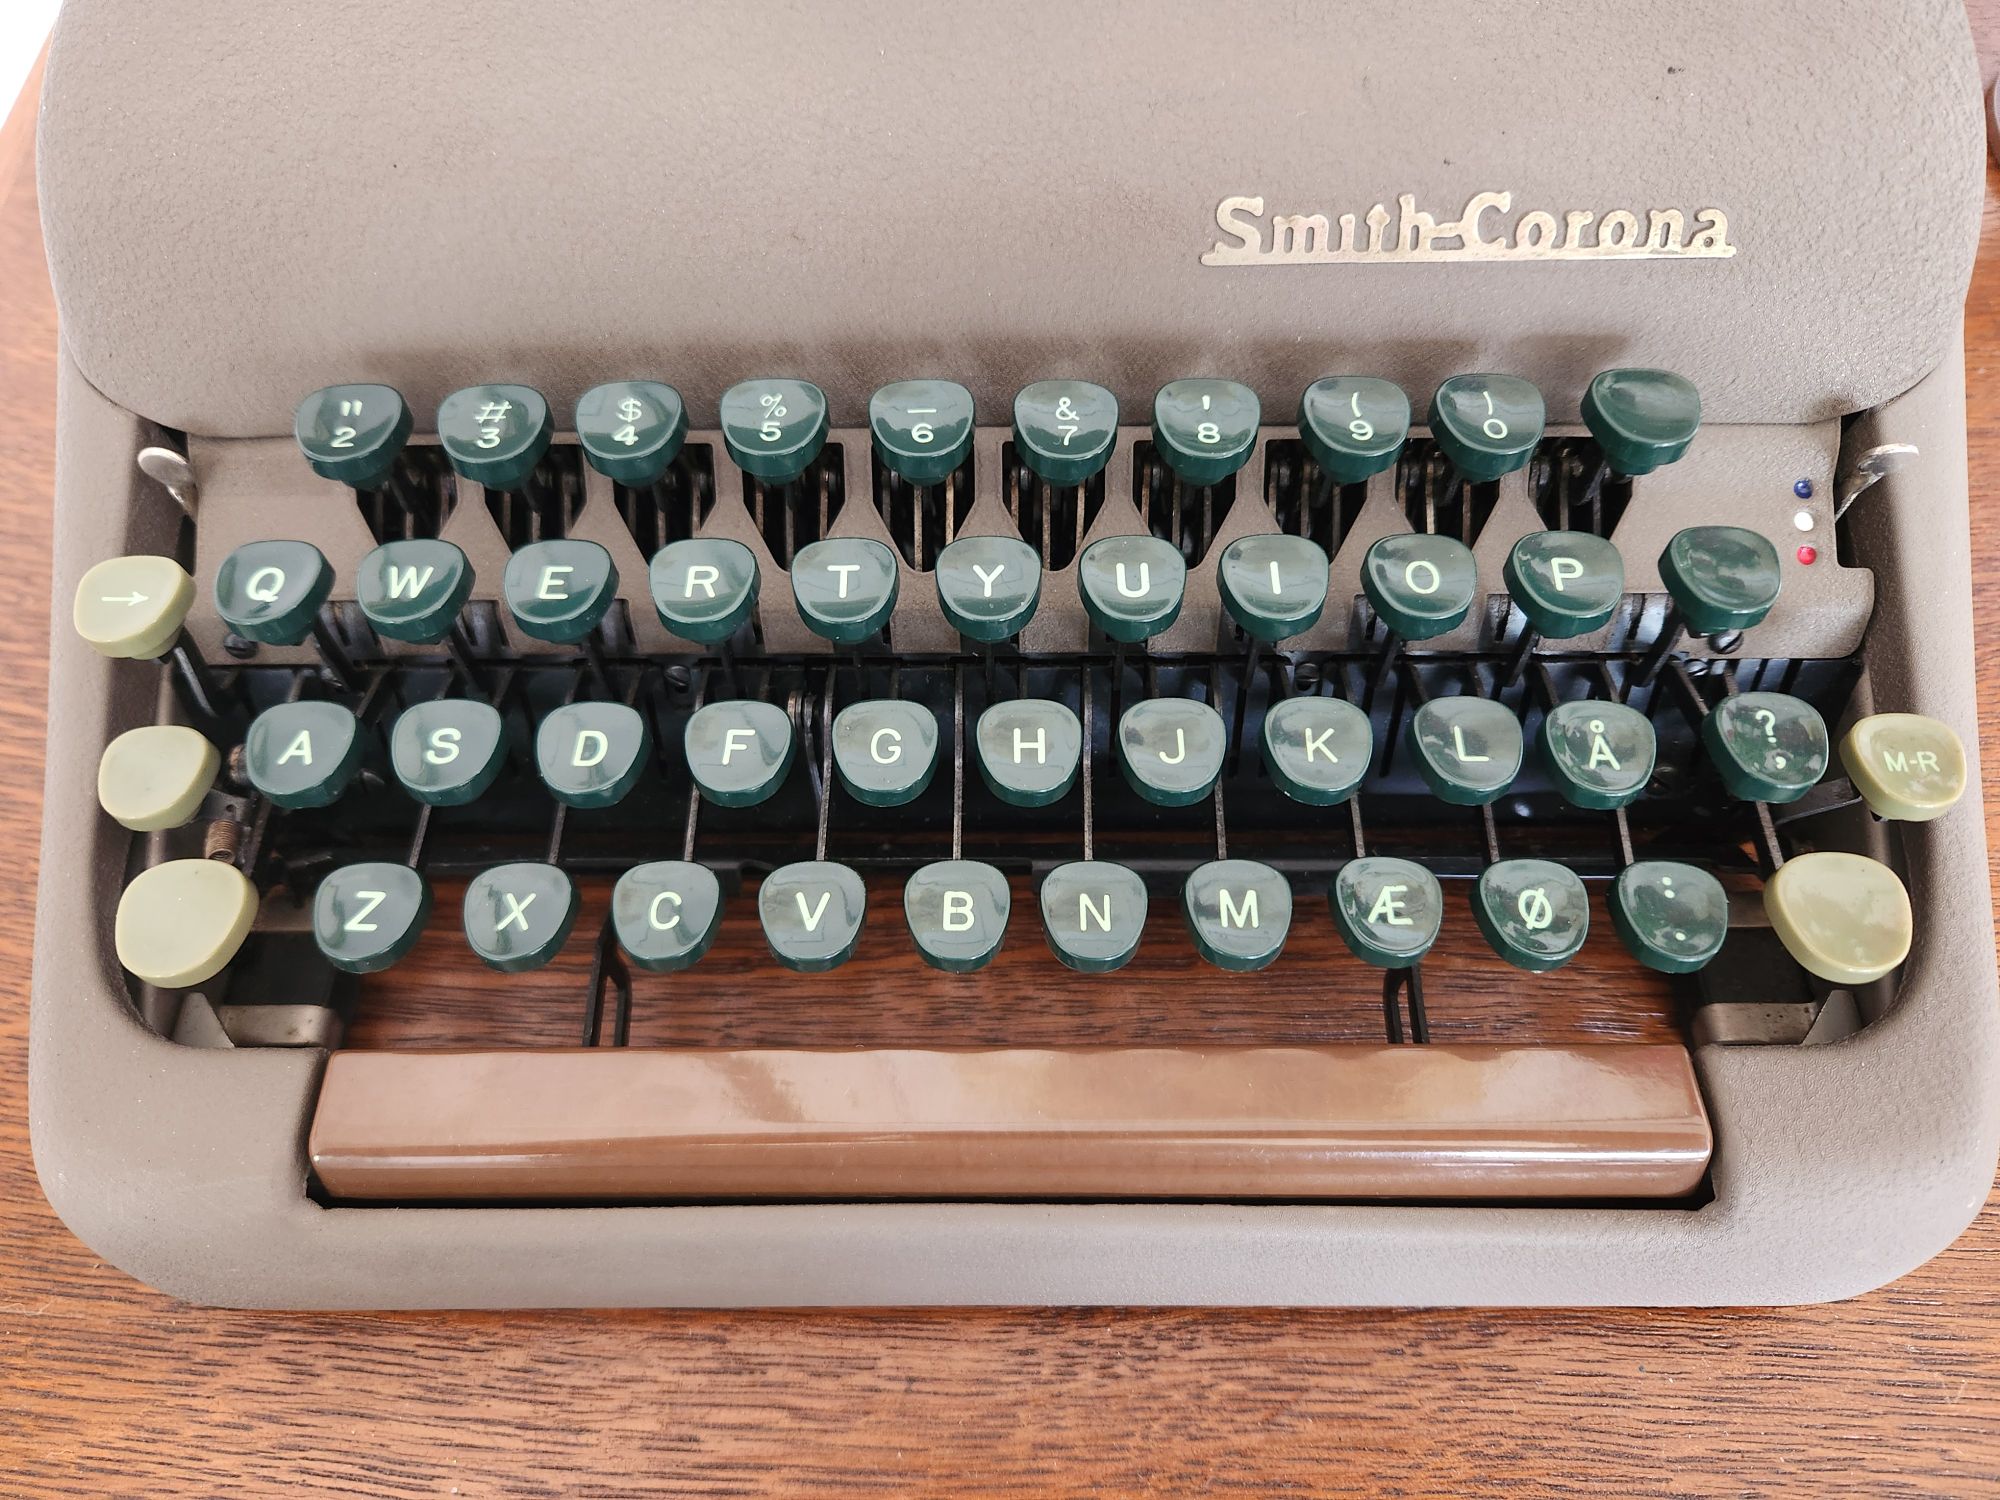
[(845, 653)]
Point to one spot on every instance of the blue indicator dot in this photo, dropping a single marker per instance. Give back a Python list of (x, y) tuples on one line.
[(1803, 489)]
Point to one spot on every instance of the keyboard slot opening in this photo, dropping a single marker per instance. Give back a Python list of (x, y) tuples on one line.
[(1572, 490), (793, 515), (1053, 519), (547, 502), (1304, 497), (923, 519), (415, 501), (1435, 500), (675, 507), (1188, 515)]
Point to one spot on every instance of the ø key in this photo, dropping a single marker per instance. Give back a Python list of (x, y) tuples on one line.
[(368, 916), (666, 914), (1388, 911), (1533, 912), (957, 912), (302, 754), (1768, 747), (517, 917)]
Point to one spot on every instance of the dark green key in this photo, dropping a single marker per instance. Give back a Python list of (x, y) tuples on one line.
[(495, 434), (1317, 749), (1029, 750), (1205, 429), (591, 754), (885, 750), (1132, 586), (353, 434), (1487, 425), (1642, 419), (922, 428), (1064, 430), (517, 917), (631, 430), (812, 914), (365, 917), (1422, 586), (666, 914), (413, 590), (705, 588), (1533, 912), (845, 588), (560, 591), (1468, 749), (1568, 583), (1239, 912), (272, 591), (957, 910), (1354, 426), (1171, 749), (988, 586), (1273, 586), (1387, 911), (774, 429), (448, 751), (1722, 578), (738, 751), (1670, 917), (302, 754), (1600, 755), (1769, 747), (1092, 915)]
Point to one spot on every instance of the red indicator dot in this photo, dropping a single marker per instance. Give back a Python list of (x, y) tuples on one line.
[(1809, 555)]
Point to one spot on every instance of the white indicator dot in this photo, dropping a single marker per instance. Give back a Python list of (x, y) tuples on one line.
[(1803, 520)]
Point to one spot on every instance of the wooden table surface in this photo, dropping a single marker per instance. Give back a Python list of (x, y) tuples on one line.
[(109, 1388)]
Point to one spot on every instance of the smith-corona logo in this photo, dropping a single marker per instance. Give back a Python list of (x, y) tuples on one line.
[(1488, 230)]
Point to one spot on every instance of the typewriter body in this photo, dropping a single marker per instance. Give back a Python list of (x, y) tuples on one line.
[(855, 654)]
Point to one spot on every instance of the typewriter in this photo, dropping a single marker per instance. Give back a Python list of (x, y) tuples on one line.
[(847, 653)]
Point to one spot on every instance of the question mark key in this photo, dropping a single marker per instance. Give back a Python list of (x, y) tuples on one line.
[(1767, 747)]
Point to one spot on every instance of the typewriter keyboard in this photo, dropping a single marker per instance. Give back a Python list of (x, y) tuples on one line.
[(1357, 808)]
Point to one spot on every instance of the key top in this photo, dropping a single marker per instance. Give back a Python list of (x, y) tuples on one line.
[(517, 917), (494, 435), (1769, 747), (988, 586), (353, 434), (922, 428), (413, 590), (1844, 917), (957, 911), (591, 754), (631, 430), (368, 916), (1568, 583), (812, 913), (302, 754), (1204, 430), (774, 429), (705, 588), (1092, 915), (1132, 586), (1354, 426), (1239, 912), (448, 751), (1064, 430), (272, 591), (1600, 755), (1907, 767), (180, 923), (1171, 749), (1468, 749), (1671, 917), (1533, 912), (845, 588), (1317, 749), (1487, 425), (666, 914), (1721, 578), (1642, 419), (132, 606), (738, 751), (1387, 911), (1421, 586), (155, 776), (560, 591), (1273, 586), (885, 750), (1029, 750)]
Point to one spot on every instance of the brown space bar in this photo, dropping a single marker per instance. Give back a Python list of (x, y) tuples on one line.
[(1352, 1121)]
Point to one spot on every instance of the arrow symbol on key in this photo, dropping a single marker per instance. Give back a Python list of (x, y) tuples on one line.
[(135, 597)]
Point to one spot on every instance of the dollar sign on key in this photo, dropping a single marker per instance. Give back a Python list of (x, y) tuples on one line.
[(630, 409)]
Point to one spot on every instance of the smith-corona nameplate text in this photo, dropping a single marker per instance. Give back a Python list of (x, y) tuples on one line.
[(1487, 230)]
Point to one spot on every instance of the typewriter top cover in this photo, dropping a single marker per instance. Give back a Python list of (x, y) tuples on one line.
[(1351, 278)]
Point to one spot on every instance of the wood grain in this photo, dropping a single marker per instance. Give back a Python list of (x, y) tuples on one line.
[(107, 1388)]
